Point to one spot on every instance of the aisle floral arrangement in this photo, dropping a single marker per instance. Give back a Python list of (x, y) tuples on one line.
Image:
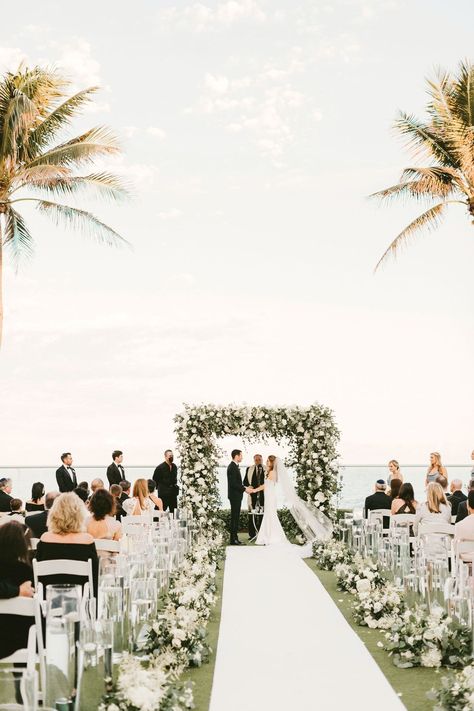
[(456, 692), (359, 576), (332, 553), (176, 640)]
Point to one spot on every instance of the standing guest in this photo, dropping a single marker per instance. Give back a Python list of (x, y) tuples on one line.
[(395, 487), (394, 471), (436, 508), (126, 487), (457, 496), (102, 522), (255, 478), (378, 500), (139, 504), (5, 498), (38, 522), (67, 539), (66, 475), (15, 571), (115, 471), (36, 503), (435, 468), (443, 482), (116, 493), (166, 480), (406, 497), (151, 493), (235, 492), (462, 506)]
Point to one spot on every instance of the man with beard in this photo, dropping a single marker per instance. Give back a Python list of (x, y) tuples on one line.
[(166, 479)]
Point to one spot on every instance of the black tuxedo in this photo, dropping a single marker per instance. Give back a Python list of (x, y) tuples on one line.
[(235, 491), (255, 477), (455, 500), (37, 523), (5, 501), (66, 481), (379, 500), (166, 479), (115, 473)]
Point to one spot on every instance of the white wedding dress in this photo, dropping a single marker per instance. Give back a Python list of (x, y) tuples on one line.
[(271, 531)]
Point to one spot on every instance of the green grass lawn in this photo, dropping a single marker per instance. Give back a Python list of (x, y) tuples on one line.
[(411, 684)]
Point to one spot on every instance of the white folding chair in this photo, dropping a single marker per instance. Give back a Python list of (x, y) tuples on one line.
[(443, 528), (73, 568), (131, 523), (463, 551), (380, 515), (401, 520), (453, 518), (27, 607), (105, 544), (34, 543)]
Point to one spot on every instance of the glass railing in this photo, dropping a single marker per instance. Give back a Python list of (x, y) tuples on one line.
[(357, 480)]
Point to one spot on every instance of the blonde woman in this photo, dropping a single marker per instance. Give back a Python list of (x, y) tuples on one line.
[(139, 504), (394, 471), (435, 509), (67, 539), (435, 468), (271, 531)]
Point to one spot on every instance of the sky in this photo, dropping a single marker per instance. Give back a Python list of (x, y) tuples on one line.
[(252, 132)]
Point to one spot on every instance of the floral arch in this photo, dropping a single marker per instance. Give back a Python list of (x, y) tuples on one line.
[(310, 433)]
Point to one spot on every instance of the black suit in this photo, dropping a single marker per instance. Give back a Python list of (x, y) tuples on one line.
[(455, 500), (5, 501), (255, 477), (115, 473), (462, 511), (37, 523), (235, 491), (66, 481), (379, 500), (166, 479)]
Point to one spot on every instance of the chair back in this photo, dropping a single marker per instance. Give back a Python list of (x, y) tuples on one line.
[(105, 544), (133, 522), (379, 515), (73, 568), (27, 607), (34, 543), (401, 520), (443, 527)]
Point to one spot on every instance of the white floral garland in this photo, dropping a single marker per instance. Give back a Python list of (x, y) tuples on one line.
[(310, 432)]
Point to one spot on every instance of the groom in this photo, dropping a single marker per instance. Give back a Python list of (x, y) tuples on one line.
[(235, 491)]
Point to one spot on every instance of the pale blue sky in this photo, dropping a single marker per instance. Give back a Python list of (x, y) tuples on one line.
[(253, 131)]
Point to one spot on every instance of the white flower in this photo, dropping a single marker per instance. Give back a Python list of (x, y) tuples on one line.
[(431, 658), (363, 586)]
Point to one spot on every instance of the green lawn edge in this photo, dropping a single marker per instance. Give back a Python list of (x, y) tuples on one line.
[(203, 676), (411, 684)]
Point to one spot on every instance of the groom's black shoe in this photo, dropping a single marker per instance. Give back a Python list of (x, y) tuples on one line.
[(235, 542)]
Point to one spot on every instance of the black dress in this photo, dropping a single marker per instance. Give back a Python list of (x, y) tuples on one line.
[(30, 506), (68, 551), (14, 627)]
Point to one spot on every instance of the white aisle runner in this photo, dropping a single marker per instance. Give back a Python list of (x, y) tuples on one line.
[(283, 644)]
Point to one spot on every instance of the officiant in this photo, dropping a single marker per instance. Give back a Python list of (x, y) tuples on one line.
[(255, 477)]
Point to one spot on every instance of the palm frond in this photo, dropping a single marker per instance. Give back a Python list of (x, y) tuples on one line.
[(17, 238), (429, 220), (18, 115), (83, 221), (423, 141), (101, 185), (81, 150), (463, 93), (434, 181)]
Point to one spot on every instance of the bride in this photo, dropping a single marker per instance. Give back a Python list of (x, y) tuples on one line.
[(313, 523)]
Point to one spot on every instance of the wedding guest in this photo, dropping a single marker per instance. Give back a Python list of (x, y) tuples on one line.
[(67, 539), (38, 522), (435, 509), (139, 504), (394, 471), (464, 530), (395, 487), (17, 512), (378, 500), (82, 494), (166, 479), (15, 571), (9, 590), (435, 468), (126, 487), (115, 471), (151, 493), (102, 522), (66, 475), (96, 484), (36, 503), (443, 482), (5, 498), (116, 493), (84, 485), (457, 496), (462, 506), (406, 497)]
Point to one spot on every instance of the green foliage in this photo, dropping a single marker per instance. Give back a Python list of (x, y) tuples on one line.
[(291, 528)]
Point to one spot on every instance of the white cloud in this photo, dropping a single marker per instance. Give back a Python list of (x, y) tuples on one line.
[(216, 83), (172, 214), (11, 58), (156, 131), (76, 59), (199, 17)]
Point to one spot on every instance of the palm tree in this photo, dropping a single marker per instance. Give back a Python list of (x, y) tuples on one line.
[(446, 142), (34, 111)]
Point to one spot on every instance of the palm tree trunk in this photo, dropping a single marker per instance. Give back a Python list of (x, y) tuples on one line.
[(1, 278)]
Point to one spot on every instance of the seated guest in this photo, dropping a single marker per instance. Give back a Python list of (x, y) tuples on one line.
[(393, 493), (406, 499), (379, 500), (443, 482), (38, 522), (5, 498), (139, 504), (462, 506), (66, 538), (456, 496), (151, 493), (15, 571), (464, 530), (394, 471), (82, 494), (36, 503), (116, 492), (436, 508), (101, 522), (17, 511), (96, 484), (9, 590), (84, 485)]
